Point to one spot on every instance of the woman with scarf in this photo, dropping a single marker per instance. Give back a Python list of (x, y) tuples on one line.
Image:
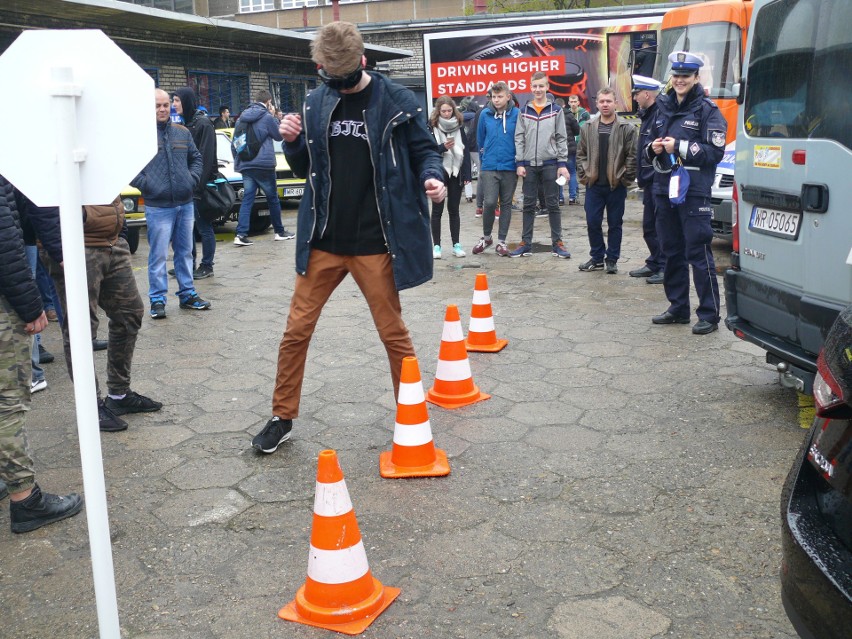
[(447, 124)]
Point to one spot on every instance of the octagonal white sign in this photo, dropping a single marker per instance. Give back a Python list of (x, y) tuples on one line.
[(116, 134)]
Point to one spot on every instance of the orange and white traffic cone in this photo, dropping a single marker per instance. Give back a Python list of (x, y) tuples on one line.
[(482, 337), (453, 387), (413, 453), (340, 592)]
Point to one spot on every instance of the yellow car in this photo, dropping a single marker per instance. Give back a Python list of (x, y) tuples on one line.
[(134, 213)]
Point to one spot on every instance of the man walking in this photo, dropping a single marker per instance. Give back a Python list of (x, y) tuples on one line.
[(21, 317), (204, 137), (364, 212), (168, 183), (259, 170), (606, 165), (645, 92), (498, 176), (541, 155)]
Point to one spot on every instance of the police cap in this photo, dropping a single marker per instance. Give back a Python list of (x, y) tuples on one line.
[(685, 63), (644, 83)]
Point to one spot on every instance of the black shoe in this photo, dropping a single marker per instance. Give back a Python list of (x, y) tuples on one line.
[(572, 202), (703, 327), (132, 403), (656, 278), (202, 272), (44, 356), (591, 265), (41, 509), (242, 240), (195, 303), (99, 344), (611, 267), (275, 432), (109, 422), (641, 272), (668, 318), (172, 272), (158, 310)]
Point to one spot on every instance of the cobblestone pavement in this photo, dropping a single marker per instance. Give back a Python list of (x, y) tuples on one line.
[(622, 482)]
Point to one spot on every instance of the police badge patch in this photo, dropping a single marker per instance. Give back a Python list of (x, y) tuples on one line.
[(717, 138), (695, 148)]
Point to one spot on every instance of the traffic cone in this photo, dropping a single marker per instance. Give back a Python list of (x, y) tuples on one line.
[(340, 593), (413, 453), (482, 338), (453, 387)]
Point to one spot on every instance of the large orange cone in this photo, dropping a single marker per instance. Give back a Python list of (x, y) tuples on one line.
[(340, 593), (413, 453), (482, 337), (453, 387)]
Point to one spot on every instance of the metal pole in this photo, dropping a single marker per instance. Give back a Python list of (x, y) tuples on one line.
[(65, 93)]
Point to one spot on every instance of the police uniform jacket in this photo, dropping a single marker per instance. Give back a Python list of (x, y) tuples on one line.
[(645, 170), (403, 155), (699, 129)]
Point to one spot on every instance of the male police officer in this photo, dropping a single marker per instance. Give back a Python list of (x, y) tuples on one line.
[(689, 126), (645, 92)]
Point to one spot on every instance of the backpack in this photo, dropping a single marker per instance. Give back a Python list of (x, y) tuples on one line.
[(245, 143)]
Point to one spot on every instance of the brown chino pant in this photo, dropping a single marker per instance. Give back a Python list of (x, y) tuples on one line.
[(374, 276)]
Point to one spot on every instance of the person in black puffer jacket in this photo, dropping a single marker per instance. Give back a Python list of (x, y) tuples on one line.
[(21, 317)]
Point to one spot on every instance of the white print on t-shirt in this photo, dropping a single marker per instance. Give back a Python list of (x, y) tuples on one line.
[(353, 128)]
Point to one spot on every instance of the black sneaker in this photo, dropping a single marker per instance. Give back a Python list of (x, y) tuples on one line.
[(195, 303), (44, 356), (99, 344), (132, 403), (591, 265), (171, 272), (202, 272), (242, 240), (158, 310), (275, 432), (41, 509), (611, 267), (109, 422)]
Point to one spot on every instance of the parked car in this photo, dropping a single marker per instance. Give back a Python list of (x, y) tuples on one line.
[(722, 195), (134, 213), (289, 186), (816, 503)]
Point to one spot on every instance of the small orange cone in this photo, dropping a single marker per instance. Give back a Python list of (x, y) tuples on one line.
[(340, 592), (413, 453), (453, 387), (482, 338)]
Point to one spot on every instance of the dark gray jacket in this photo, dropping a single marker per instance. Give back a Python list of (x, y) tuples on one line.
[(17, 285), (171, 176)]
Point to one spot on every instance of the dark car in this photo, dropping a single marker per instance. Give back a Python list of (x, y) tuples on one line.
[(816, 503)]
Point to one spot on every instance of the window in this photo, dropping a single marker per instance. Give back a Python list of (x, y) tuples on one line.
[(216, 90), (799, 84), (181, 6), (288, 92), (298, 4), (248, 6), (718, 44)]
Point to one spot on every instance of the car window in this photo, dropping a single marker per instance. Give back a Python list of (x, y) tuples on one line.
[(223, 148)]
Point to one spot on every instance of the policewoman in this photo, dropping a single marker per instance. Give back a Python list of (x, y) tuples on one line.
[(690, 131)]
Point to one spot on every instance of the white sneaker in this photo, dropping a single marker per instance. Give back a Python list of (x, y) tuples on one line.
[(458, 251), (286, 235), (38, 385), (436, 252)]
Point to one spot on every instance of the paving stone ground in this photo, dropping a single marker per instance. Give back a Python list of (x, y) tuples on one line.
[(622, 482)]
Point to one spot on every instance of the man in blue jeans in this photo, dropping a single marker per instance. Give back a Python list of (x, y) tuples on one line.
[(606, 165), (167, 183), (259, 171)]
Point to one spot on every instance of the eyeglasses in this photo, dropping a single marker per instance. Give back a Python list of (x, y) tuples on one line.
[(338, 82)]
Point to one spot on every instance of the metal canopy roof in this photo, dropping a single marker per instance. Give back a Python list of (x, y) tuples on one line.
[(125, 21)]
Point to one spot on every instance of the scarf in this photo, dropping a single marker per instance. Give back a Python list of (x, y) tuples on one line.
[(445, 130)]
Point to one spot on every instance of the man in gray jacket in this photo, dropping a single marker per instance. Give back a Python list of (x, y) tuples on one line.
[(541, 155), (606, 165)]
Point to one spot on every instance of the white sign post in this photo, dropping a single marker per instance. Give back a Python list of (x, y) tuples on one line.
[(77, 80)]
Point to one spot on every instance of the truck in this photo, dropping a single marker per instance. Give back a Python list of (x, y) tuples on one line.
[(717, 32), (791, 266), (580, 51)]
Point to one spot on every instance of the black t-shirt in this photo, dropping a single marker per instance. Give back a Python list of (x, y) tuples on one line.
[(354, 226), (604, 131)]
